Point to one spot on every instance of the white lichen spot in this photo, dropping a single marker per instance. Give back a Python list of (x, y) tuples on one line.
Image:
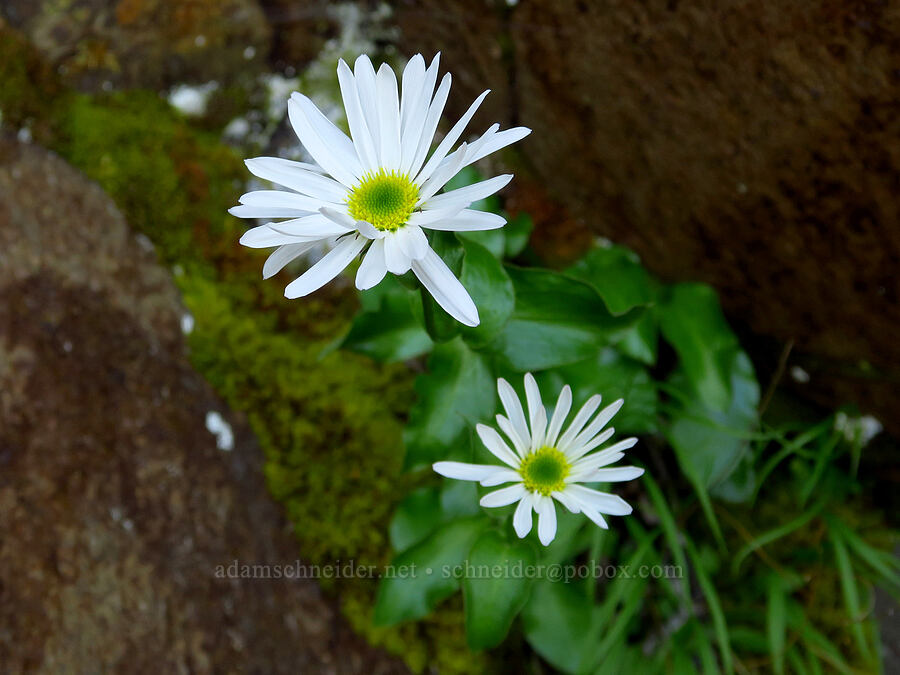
[(24, 135), (218, 427), (249, 52), (187, 323), (799, 375), (191, 100)]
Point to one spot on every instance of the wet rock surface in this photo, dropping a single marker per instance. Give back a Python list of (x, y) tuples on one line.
[(116, 505), (754, 148), (143, 43)]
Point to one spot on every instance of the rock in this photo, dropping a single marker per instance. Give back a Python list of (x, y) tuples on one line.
[(752, 147), (119, 515), (144, 43)]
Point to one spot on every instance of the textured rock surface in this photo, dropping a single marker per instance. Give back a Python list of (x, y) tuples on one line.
[(143, 43), (755, 147), (116, 506)]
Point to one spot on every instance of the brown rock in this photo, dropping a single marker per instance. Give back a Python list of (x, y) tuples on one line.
[(752, 146), (143, 43), (116, 506)]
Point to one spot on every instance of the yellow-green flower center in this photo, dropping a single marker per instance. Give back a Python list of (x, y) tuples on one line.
[(545, 470), (384, 199)]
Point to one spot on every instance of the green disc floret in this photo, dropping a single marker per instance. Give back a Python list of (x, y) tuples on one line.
[(384, 199), (544, 471)]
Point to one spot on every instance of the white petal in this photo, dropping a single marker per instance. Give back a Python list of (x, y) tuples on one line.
[(423, 143), (616, 475), (514, 410), (443, 173), (331, 264), (417, 111), (445, 288), (583, 507), (373, 268), (284, 255), (565, 500), (537, 415), (593, 461), (282, 199), (388, 117), (598, 422), (396, 260), (313, 226), (338, 216), (522, 517), (579, 421), (368, 98), (600, 501), (563, 405), (546, 509), (471, 193), (584, 475), (449, 140), (576, 449), (356, 119), (368, 230), (325, 142), (466, 220), (246, 211), (412, 81), (496, 446), (503, 496), (495, 142), (503, 475), (423, 218), (413, 242), (292, 175), (464, 471), (522, 445), (265, 237)]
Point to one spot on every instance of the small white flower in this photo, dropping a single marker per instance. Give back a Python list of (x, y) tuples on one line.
[(376, 190), (549, 464)]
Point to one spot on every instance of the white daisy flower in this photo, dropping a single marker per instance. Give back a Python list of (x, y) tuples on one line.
[(548, 464), (376, 190)]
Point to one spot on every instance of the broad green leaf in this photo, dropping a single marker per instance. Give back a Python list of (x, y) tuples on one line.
[(441, 327), (517, 232), (612, 376), (459, 498), (420, 577), (555, 619), (641, 342), (617, 275), (557, 320), (415, 518), (492, 600), (709, 443), (491, 289), (692, 321), (390, 331), (457, 391), (493, 241)]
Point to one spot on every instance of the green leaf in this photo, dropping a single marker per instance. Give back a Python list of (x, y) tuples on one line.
[(455, 393), (555, 619), (415, 518), (613, 376), (491, 289), (441, 326), (493, 241), (389, 331), (557, 320), (692, 321), (518, 232), (850, 592), (642, 340), (493, 600), (709, 443), (618, 277), (420, 577)]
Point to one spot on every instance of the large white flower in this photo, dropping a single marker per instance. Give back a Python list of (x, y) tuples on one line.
[(376, 189), (548, 464)]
